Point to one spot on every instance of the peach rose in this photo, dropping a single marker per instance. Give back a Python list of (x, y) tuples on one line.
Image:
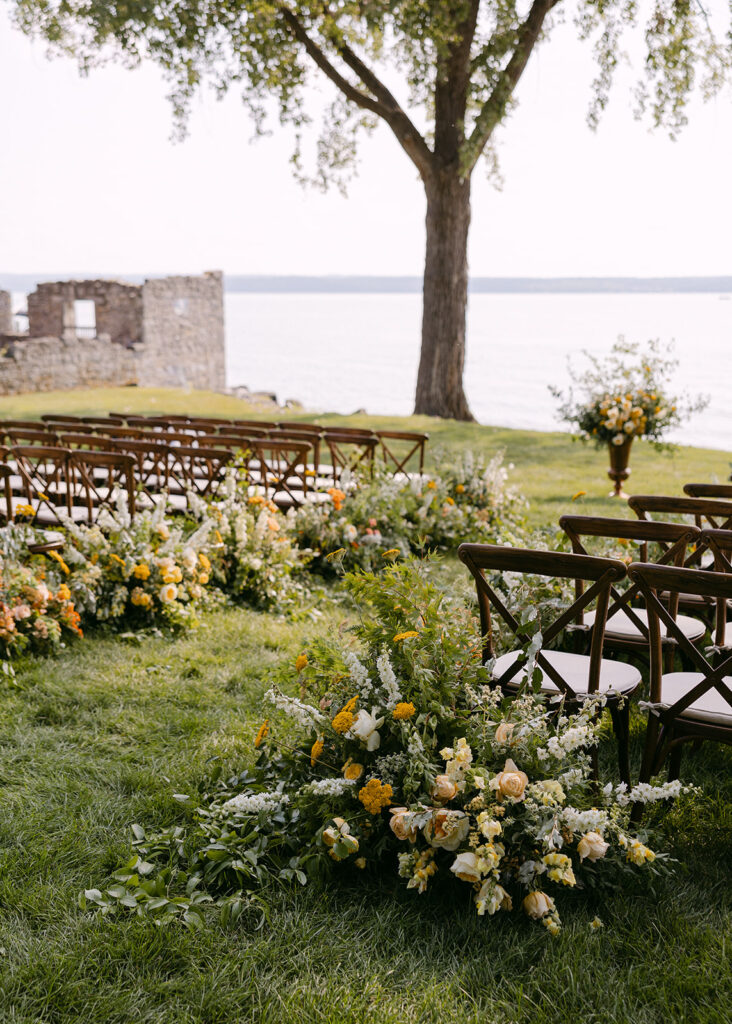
[(511, 782), (592, 846), (447, 829), (503, 732), (444, 789), (537, 904), (401, 824)]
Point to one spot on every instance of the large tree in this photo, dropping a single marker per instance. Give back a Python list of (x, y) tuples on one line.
[(457, 64)]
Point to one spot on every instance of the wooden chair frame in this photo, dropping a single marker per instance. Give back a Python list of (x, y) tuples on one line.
[(197, 469), (350, 449), (44, 474), (666, 730), (723, 491), (95, 477), (418, 442), (602, 573), (283, 469)]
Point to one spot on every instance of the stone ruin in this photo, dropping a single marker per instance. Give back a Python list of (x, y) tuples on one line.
[(167, 332)]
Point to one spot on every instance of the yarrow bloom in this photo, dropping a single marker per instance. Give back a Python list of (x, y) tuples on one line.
[(315, 751), (300, 662), (408, 635), (403, 711), (375, 795)]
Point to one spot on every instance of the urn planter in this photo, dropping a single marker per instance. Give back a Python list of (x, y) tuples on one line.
[(619, 471)]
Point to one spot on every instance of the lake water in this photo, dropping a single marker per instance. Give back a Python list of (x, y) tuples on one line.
[(340, 353)]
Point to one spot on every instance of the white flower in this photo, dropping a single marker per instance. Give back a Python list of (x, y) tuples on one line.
[(168, 593), (365, 727), (358, 672), (592, 846), (388, 680), (329, 787), (246, 803), (304, 714), (465, 866)]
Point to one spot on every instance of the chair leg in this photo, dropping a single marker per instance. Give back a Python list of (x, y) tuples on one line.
[(650, 752), (674, 762), (621, 726)]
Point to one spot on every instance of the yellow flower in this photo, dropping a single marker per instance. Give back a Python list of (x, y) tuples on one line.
[(639, 854), (391, 554), (579, 494), (343, 721), (273, 525), (57, 557), (375, 795), (203, 578), (261, 733), (24, 510), (64, 593), (315, 751), (141, 571), (139, 598), (460, 489), (406, 636), (352, 770), (300, 662), (431, 485), (172, 575), (449, 501), (403, 711), (360, 862), (116, 558), (43, 497), (168, 593)]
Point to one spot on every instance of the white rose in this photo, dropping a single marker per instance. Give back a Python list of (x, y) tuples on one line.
[(365, 727), (592, 846), (465, 866), (189, 559), (503, 732), (168, 593)]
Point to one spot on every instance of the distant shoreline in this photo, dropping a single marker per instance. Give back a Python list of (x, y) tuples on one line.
[(380, 285)]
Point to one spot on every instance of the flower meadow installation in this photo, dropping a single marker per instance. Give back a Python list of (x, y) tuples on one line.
[(385, 750)]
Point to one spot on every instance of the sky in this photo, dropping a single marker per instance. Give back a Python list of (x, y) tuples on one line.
[(91, 182)]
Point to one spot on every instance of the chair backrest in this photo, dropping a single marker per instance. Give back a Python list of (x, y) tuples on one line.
[(398, 448), (672, 540), (200, 470), (21, 435), (60, 418), (95, 478), (81, 440), (151, 463), (262, 424), (104, 421), (280, 467), (303, 428), (6, 493), (707, 513), (350, 450), (719, 543), (602, 573), (235, 430), (23, 424), (716, 586), (723, 491), (113, 432)]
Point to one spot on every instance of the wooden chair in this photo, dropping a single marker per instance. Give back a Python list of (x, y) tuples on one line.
[(19, 435), (415, 445), (234, 430), (575, 677), (22, 424), (199, 470), (40, 479), (132, 433), (351, 450), (103, 421), (151, 467), (280, 467), (58, 417), (684, 706), (90, 441), (95, 478), (626, 627), (720, 545)]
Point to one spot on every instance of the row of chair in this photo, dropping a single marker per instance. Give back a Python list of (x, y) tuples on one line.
[(669, 602)]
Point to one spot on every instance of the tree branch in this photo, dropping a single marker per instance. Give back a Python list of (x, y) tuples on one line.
[(381, 101), (494, 107)]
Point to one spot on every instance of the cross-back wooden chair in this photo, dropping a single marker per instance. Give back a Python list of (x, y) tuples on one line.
[(6, 493), (96, 478), (626, 627), (263, 424), (684, 706), (213, 423), (313, 441), (280, 467), (199, 470), (575, 677), (303, 428), (707, 513), (235, 430), (134, 433), (151, 467), (58, 417), (22, 424), (64, 427), (40, 479), (399, 455), (351, 450), (723, 491)]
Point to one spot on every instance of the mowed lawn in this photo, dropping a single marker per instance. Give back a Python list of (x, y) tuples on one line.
[(104, 734)]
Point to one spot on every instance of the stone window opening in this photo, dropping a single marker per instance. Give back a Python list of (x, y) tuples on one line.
[(85, 318)]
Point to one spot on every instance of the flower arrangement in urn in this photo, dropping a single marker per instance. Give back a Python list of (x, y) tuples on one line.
[(623, 396)]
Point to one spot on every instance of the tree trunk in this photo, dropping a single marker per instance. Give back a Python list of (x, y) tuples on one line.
[(440, 378)]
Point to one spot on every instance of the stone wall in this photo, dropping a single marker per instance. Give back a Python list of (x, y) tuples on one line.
[(56, 364), (168, 332), (183, 332), (6, 312)]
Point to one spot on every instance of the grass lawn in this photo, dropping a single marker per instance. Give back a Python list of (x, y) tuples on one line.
[(103, 735)]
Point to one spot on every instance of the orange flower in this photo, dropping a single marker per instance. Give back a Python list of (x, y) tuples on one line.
[(263, 730)]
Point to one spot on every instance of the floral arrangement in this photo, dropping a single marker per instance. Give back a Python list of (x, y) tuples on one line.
[(466, 497), (137, 571), (34, 617), (254, 555), (395, 753), (625, 395)]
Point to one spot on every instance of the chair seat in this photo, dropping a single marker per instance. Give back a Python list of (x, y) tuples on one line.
[(620, 626), (710, 707), (574, 668)]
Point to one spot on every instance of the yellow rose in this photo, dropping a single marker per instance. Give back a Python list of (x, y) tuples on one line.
[(203, 578), (537, 904), (352, 771), (592, 846), (205, 564), (444, 789), (141, 571)]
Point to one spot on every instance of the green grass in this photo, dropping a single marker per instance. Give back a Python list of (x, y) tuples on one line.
[(103, 735)]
